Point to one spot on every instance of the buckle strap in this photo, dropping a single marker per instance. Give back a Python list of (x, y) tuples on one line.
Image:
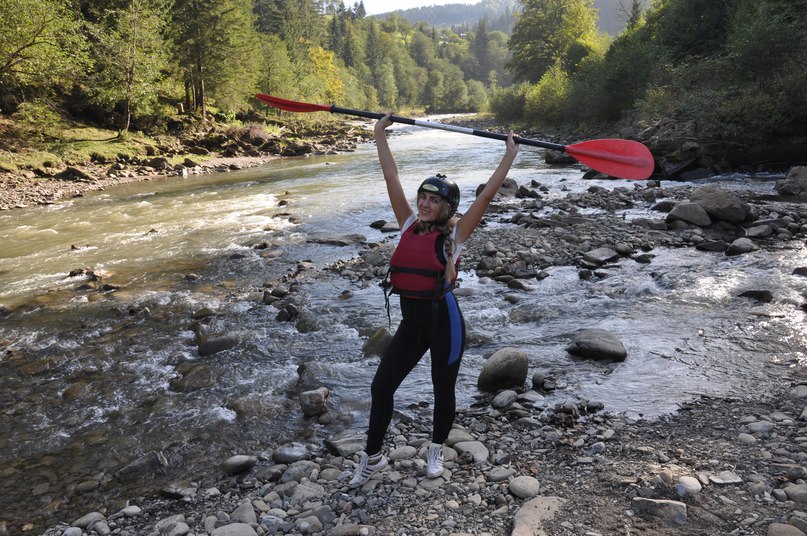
[(417, 271)]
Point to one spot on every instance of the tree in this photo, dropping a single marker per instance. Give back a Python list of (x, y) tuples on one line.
[(374, 52), (480, 49), (217, 55), (544, 32), (130, 57), (41, 49), (693, 27), (297, 22), (277, 72), (422, 49), (319, 77)]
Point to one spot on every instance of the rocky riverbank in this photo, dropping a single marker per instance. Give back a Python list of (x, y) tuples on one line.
[(187, 156), (513, 466), (515, 463)]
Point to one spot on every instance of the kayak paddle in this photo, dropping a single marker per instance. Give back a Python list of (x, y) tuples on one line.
[(625, 159)]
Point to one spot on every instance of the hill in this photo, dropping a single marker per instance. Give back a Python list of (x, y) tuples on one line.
[(500, 14)]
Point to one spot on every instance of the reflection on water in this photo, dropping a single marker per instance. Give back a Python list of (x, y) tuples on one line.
[(89, 373)]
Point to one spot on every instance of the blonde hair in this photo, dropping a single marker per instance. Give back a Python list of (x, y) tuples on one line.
[(445, 226)]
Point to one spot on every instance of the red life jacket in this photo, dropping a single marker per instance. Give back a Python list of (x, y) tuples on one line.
[(417, 267)]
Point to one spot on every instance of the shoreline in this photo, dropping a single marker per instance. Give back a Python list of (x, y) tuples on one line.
[(17, 191)]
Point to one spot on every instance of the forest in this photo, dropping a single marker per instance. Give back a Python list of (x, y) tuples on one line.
[(738, 67)]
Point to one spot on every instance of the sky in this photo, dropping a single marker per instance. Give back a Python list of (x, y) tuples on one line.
[(374, 7)]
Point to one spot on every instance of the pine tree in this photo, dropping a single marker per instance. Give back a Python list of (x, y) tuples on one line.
[(217, 52)]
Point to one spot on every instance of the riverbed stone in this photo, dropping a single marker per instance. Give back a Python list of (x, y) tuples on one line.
[(725, 478), (147, 464), (315, 401), (306, 491), (456, 435), (795, 183), (741, 246), (601, 256), (299, 470), (721, 205), (476, 449), (797, 493), (500, 474), (783, 529), (533, 514), (691, 213), (89, 519), (688, 485), (291, 452), (674, 512), (217, 343), (238, 463), (378, 342), (194, 376), (763, 428), (175, 525), (506, 368), (597, 344), (504, 399), (406, 452), (245, 513), (525, 487), (345, 446), (234, 529)]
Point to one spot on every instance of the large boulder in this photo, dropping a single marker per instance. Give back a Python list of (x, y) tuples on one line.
[(597, 344), (721, 205), (505, 369), (794, 184), (691, 213)]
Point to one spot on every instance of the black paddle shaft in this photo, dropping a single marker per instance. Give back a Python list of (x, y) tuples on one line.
[(450, 128)]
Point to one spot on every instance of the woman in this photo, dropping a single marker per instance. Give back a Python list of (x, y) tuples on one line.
[(423, 269)]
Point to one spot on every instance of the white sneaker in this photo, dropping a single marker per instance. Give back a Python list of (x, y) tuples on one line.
[(365, 470), (434, 461)]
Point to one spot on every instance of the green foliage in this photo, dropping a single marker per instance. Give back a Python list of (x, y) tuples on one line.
[(38, 116), (42, 49), (544, 33), (545, 102), (276, 71), (477, 96), (217, 53), (735, 67), (692, 27), (130, 58), (508, 102)]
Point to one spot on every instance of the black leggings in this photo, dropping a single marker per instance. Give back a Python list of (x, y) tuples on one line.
[(414, 336)]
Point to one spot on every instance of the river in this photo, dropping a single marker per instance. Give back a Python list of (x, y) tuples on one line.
[(87, 372)]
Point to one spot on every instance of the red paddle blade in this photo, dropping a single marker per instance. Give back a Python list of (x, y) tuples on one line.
[(625, 159), (291, 106)]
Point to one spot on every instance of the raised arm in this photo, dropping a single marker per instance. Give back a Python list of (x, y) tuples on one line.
[(472, 217), (397, 197)]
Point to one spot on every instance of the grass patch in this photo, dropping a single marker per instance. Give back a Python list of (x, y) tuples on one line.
[(24, 148)]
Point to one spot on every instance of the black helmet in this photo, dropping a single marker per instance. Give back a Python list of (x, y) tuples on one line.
[(445, 188)]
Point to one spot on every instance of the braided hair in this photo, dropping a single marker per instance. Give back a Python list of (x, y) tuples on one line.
[(444, 226)]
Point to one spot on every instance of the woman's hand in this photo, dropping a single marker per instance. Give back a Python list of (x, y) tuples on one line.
[(382, 124), (511, 146)]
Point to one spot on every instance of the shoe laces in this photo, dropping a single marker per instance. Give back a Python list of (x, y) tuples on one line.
[(435, 455)]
